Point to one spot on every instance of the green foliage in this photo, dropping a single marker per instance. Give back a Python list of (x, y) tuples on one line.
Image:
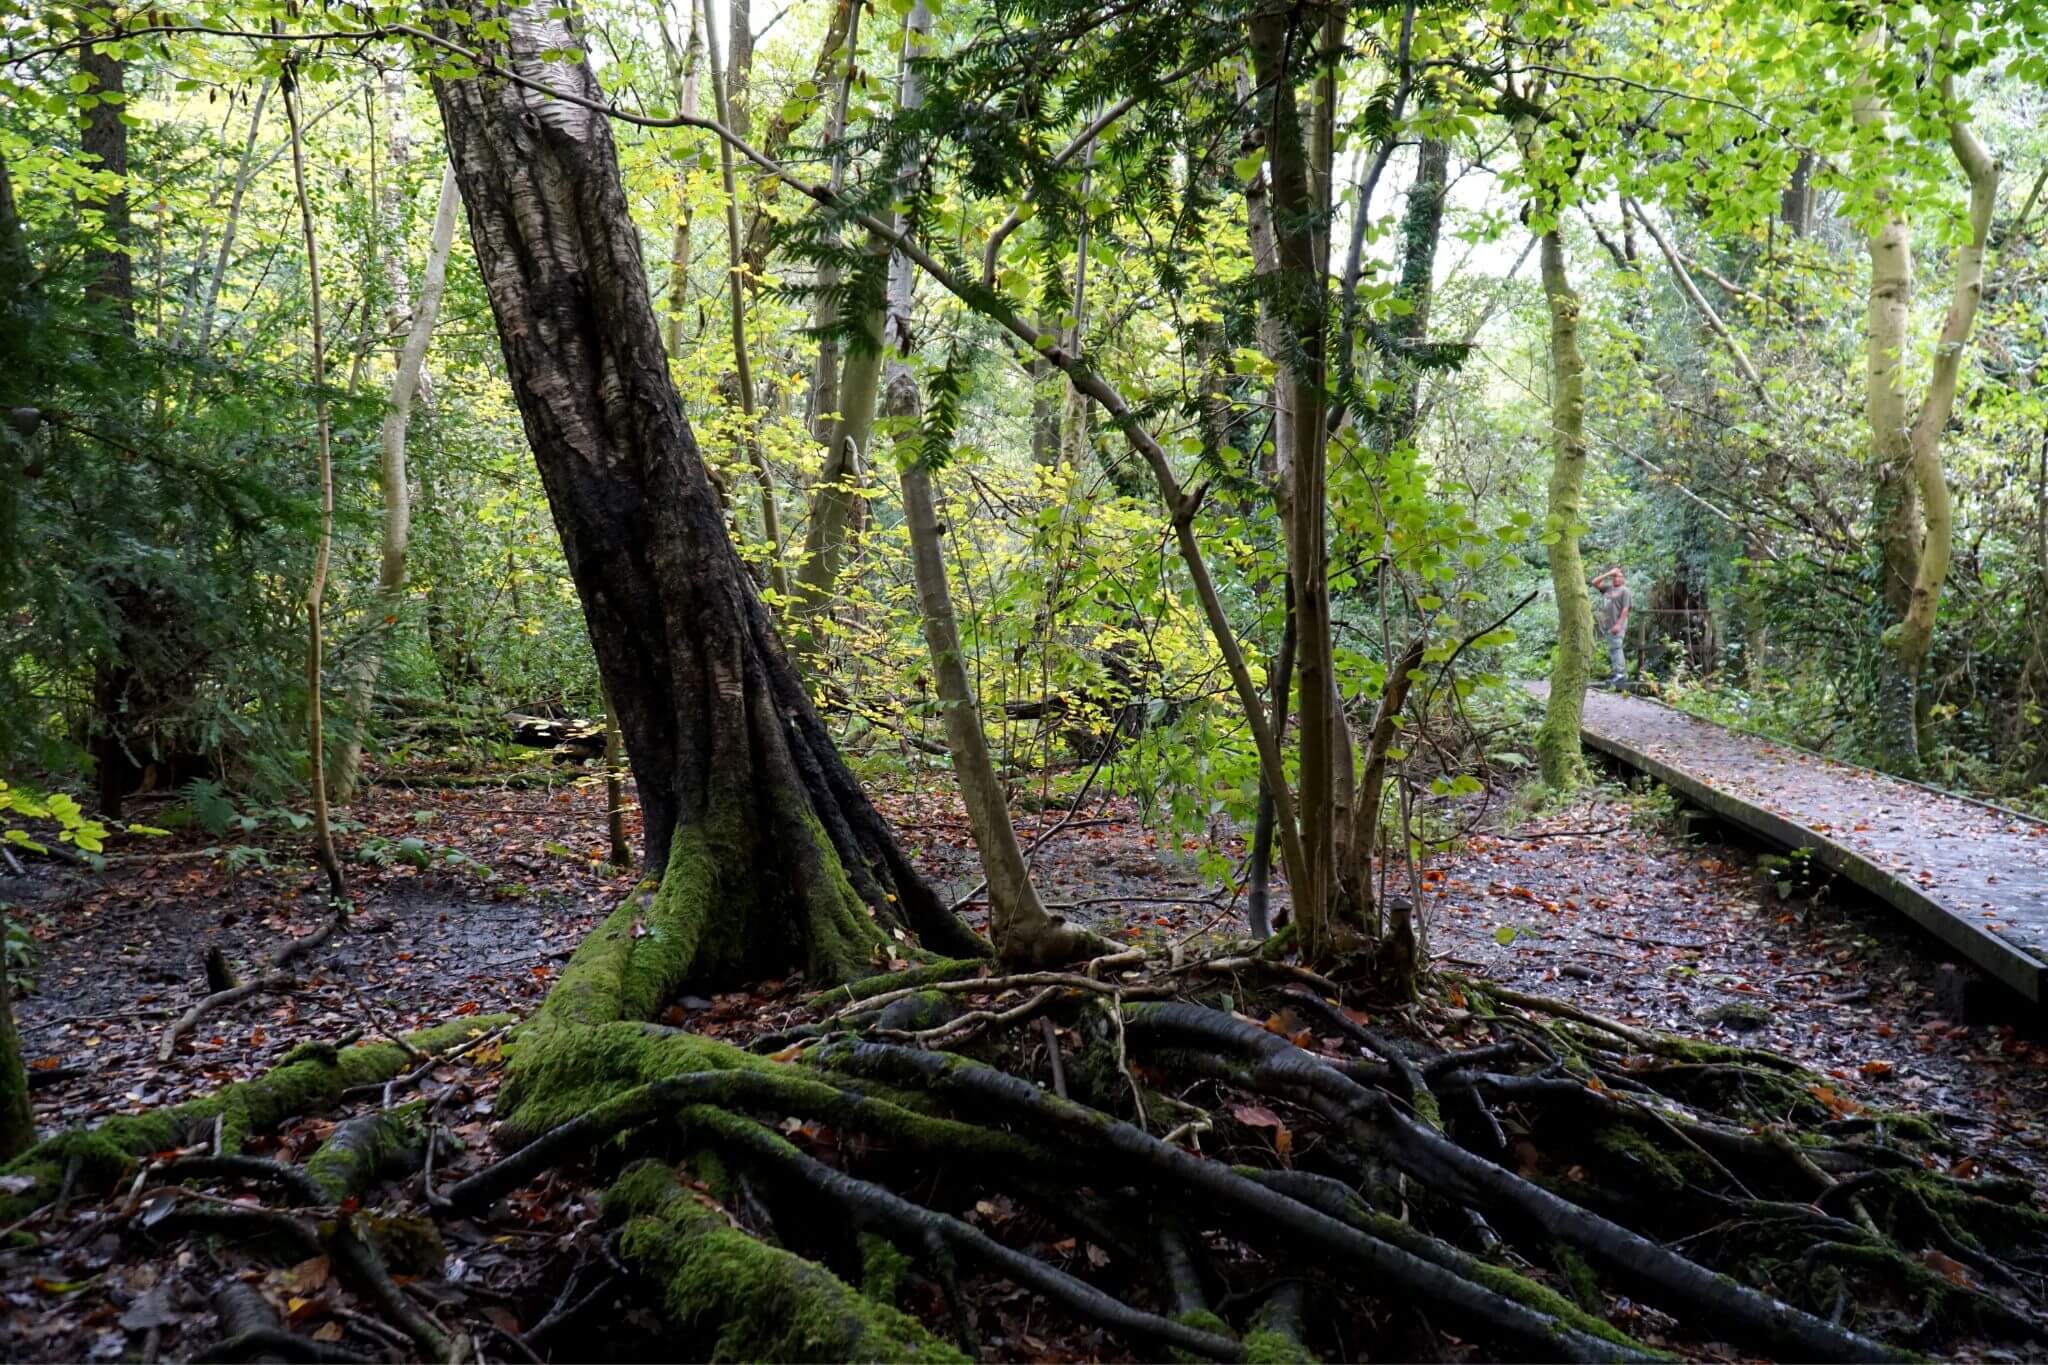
[(73, 827)]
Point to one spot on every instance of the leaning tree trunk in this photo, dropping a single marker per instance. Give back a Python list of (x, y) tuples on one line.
[(1024, 932), (767, 852), (1018, 921), (406, 384), (1557, 743)]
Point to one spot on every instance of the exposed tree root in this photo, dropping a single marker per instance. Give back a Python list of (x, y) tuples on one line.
[(1260, 1211), (364, 1150), (273, 979), (1709, 1183), (1674, 1283), (311, 1077), (738, 1298), (250, 1330)]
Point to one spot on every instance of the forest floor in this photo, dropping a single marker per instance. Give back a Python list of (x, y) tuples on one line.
[(1601, 903)]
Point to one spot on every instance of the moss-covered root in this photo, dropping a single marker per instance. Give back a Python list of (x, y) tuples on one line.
[(1277, 1334), (740, 1299), (913, 1225), (946, 969), (311, 1077), (1335, 1200), (367, 1149), (1269, 1214)]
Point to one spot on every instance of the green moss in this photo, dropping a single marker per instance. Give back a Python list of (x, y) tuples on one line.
[(365, 1150), (844, 941), (915, 1013), (868, 987), (706, 922), (589, 990), (1275, 1336), (307, 1080), (739, 1299), (1578, 1276), (555, 1072), (1275, 1348), (882, 1268), (1642, 1153), (1906, 1127), (409, 1245), (1202, 1320), (1501, 1281)]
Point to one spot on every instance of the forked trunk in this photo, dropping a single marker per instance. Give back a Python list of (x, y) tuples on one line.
[(769, 853)]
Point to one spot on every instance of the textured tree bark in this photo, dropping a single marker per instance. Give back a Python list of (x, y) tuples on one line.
[(682, 74), (615, 789), (1298, 304), (765, 843), (1913, 512), (1557, 742), (17, 1117), (1024, 932), (104, 138), (397, 527), (837, 510)]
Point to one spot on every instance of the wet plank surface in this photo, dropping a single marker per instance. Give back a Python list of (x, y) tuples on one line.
[(1974, 875)]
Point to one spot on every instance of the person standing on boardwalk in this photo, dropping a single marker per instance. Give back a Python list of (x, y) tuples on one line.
[(1612, 618)]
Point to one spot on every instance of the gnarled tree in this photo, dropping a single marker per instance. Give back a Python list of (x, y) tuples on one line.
[(766, 851)]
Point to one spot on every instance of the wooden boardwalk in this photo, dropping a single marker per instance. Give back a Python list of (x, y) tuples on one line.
[(1974, 875)]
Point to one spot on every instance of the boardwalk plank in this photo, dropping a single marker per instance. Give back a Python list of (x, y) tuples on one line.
[(1975, 875)]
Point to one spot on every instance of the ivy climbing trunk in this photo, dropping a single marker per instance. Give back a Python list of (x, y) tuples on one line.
[(1557, 743), (768, 854)]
